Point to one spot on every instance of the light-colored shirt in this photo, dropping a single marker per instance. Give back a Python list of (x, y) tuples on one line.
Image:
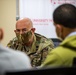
[(11, 60)]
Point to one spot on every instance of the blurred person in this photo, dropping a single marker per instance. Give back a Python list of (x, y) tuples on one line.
[(11, 60), (64, 18), (36, 46)]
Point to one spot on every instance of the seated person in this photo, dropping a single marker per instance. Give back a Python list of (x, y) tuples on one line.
[(64, 18), (34, 45), (11, 60)]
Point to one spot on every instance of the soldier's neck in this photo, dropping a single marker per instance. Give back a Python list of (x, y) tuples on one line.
[(28, 44)]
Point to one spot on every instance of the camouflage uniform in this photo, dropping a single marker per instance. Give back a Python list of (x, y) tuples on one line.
[(37, 52)]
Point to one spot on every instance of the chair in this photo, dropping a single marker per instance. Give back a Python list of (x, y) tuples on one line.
[(56, 41)]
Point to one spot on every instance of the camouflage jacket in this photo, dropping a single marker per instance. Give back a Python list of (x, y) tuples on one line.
[(37, 52)]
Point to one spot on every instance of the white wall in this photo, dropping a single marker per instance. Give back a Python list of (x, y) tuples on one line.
[(40, 12)]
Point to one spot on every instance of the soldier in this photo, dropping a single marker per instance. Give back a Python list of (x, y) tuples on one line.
[(34, 45)]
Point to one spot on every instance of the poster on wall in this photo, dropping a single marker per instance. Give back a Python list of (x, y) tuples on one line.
[(40, 12)]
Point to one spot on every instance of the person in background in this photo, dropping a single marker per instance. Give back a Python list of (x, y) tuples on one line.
[(64, 18), (36, 46), (11, 60)]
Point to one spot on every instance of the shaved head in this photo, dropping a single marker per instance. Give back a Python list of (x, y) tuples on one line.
[(25, 27), (25, 22)]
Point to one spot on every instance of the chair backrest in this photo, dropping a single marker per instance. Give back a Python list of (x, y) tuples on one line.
[(56, 41), (47, 71)]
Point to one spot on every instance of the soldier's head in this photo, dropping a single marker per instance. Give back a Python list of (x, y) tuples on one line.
[(24, 30), (1, 34), (64, 17)]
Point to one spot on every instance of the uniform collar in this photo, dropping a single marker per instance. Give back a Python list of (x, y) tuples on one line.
[(33, 47)]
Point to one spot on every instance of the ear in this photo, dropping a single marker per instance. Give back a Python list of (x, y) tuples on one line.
[(58, 29), (1, 34), (58, 26), (33, 30), (15, 31)]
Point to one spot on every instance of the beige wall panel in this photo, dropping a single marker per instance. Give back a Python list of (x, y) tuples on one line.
[(7, 19)]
